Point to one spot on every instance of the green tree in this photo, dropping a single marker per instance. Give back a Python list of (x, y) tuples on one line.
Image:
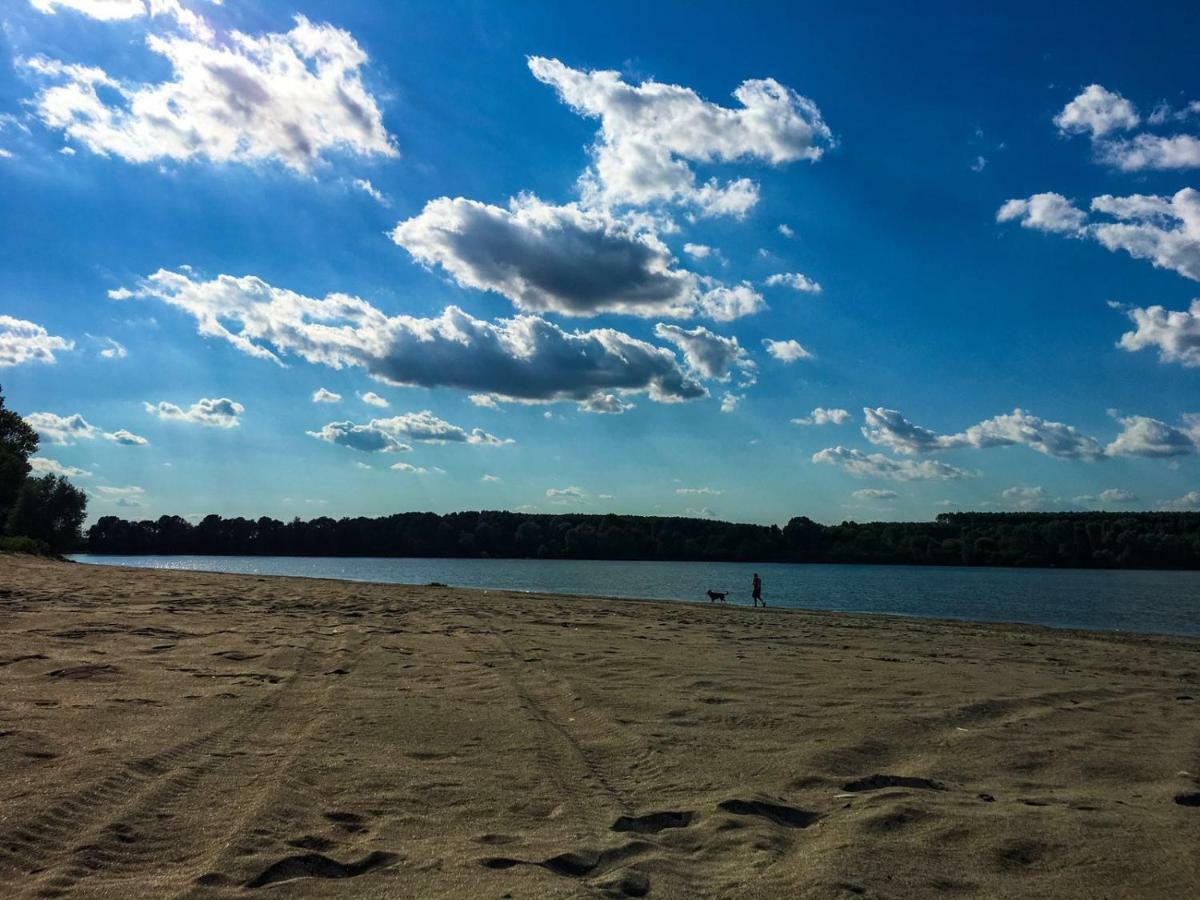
[(49, 509), (17, 443)]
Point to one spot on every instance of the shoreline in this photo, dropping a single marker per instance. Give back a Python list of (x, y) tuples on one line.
[(550, 595), (211, 734)]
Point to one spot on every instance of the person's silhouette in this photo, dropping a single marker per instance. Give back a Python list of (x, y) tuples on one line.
[(756, 592)]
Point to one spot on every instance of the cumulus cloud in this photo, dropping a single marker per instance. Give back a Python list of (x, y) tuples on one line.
[(788, 351), (566, 495), (889, 428), (1100, 113), (1163, 230), (42, 465), (1175, 333), (1143, 436), (567, 259), (320, 395), (215, 412), (795, 281), (699, 491), (698, 251), (104, 10), (373, 399), (1108, 496), (416, 470), (120, 496), (606, 404), (875, 494), (1026, 498), (525, 358), (1189, 501), (287, 97), (823, 416), (786, 230), (389, 435), (651, 133), (707, 354), (1044, 212), (371, 191), (56, 429), (23, 342), (876, 465), (1097, 111), (730, 401)]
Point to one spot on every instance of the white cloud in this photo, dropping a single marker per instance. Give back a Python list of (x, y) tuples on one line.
[(113, 349), (373, 399), (1176, 333), (606, 404), (707, 354), (42, 465), (979, 164), (795, 281), (1153, 151), (567, 259), (823, 416), (786, 230), (56, 429), (1108, 496), (566, 495), (876, 465), (416, 470), (371, 191), (650, 133), (288, 97), (875, 494), (120, 496), (699, 491), (1188, 501), (889, 428), (103, 10), (320, 395), (526, 358), (1044, 212), (215, 412), (22, 342), (1143, 436), (388, 435), (788, 351), (1163, 230), (1026, 498), (1097, 111), (730, 401), (491, 479), (698, 251)]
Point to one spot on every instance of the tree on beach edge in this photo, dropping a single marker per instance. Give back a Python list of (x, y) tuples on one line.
[(37, 513)]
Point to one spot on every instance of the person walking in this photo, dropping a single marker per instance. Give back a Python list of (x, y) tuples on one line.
[(756, 591)]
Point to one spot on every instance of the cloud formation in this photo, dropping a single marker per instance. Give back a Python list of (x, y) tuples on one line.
[(1175, 333), (707, 354), (389, 435), (23, 342), (1099, 113), (1044, 212), (651, 133), (875, 494), (794, 280), (889, 428), (788, 351), (876, 465), (320, 395), (215, 412), (525, 358), (62, 430), (285, 97), (1144, 436), (42, 465), (373, 399), (567, 259), (1026, 498), (823, 416)]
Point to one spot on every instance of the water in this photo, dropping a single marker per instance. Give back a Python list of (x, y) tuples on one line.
[(1155, 602)]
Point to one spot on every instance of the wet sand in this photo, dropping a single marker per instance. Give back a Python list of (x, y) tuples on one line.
[(170, 734)]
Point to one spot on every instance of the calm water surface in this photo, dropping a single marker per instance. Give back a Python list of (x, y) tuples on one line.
[(1162, 602)]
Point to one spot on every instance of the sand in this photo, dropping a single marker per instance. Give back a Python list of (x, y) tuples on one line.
[(169, 734)]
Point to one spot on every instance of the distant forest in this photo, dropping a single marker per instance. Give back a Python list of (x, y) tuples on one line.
[(1158, 540)]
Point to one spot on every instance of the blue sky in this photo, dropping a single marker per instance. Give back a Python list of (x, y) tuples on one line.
[(582, 272)]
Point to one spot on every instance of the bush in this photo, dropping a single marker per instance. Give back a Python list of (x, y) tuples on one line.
[(25, 545)]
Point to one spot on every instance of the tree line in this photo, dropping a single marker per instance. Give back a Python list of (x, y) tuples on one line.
[(1169, 540), (37, 514)]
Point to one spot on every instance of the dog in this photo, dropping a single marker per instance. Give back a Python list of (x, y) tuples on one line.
[(714, 596)]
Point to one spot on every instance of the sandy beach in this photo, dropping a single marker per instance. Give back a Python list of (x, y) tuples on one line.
[(168, 734)]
